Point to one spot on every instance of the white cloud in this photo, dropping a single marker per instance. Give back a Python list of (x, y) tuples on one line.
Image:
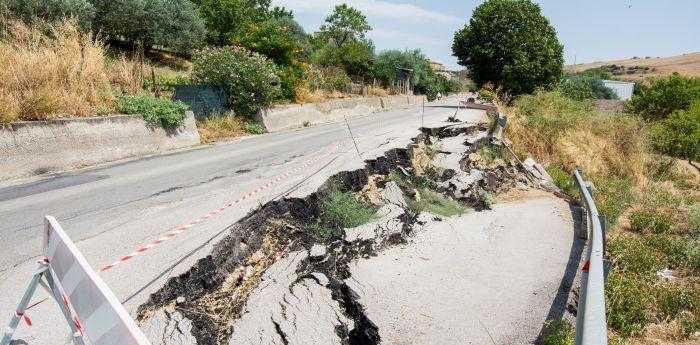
[(371, 8)]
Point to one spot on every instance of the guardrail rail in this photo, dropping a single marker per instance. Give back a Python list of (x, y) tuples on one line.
[(591, 325)]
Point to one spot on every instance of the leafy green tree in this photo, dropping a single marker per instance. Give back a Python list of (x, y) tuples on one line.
[(585, 87), (510, 44), (356, 57), (227, 20), (665, 95), (173, 24), (251, 78), (36, 11), (344, 26), (679, 134), (387, 62)]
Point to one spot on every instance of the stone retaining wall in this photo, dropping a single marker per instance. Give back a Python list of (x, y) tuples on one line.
[(37, 147), (291, 116)]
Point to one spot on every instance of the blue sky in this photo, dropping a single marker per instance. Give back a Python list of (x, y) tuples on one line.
[(591, 30)]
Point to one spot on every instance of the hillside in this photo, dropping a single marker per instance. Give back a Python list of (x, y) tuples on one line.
[(640, 67)]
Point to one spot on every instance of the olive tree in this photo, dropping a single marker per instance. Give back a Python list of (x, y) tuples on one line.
[(37, 11), (511, 44)]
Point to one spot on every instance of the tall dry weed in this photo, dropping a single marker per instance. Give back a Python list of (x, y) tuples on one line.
[(54, 72)]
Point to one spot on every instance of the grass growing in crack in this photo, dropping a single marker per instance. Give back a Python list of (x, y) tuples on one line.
[(341, 210), (433, 202), (491, 153), (558, 332)]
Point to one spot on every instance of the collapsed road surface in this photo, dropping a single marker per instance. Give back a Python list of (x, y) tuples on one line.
[(255, 272), (463, 248), (111, 211)]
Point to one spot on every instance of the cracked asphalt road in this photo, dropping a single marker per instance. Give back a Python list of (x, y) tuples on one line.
[(108, 211)]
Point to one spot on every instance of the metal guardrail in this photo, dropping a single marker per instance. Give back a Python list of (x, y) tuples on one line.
[(591, 325)]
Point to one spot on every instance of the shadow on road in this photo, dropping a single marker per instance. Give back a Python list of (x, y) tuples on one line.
[(556, 310)]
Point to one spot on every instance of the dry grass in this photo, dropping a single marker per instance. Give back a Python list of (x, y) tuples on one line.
[(221, 127), (126, 75), (47, 75), (686, 64), (376, 91)]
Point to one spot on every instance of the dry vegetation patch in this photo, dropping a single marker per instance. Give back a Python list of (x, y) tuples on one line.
[(52, 72)]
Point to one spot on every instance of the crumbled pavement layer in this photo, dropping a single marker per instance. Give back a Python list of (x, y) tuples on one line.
[(273, 281)]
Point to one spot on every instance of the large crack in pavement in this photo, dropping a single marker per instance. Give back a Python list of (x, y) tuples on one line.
[(273, 281)]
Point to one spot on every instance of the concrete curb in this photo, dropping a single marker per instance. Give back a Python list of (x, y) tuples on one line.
[(283, 117), (37, 147)]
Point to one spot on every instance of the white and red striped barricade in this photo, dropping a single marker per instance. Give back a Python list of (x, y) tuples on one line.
[(95, 316)]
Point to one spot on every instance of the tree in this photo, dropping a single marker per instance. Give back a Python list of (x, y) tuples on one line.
[(35, 11), (345, 25), (173, 24), (662, 96), (227, 20), (387, 62), (510, 44), (356, 57), (679, 134)]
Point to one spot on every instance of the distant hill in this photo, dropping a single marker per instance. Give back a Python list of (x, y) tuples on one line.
[(641, 67)]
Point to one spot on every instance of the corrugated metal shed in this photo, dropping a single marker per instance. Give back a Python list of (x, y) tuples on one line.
[(623, 89)]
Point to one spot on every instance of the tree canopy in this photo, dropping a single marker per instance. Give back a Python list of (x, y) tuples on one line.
[(345, 25), (511, 44)]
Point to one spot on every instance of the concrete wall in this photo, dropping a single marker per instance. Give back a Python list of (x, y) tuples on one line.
[(290, 116), (29, 148)]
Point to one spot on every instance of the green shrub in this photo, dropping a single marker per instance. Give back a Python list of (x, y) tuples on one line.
[(679, 134), (694, 218), (550, 113), (613, 196), (558, 332), (664, 96), (582, 87), (510, 44), (254, 128), (251, 78), (331, 78), (675, 251), (491, 153), (486, 95), (627, 298), (632, 255), (156, 111), (38, 12), (672, 299), (650, 221), (690, 324), (563, 180)]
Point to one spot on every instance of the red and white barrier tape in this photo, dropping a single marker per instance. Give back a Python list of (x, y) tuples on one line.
[(184, 227)]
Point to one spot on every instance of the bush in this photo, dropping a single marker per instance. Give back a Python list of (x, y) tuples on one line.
[(156, 111), (582, 88), (633, 256), (663, 96), (52, 11), (59, 72), (674, 299), (251, 78), (329, 79), (627, 298), (387, 61), (563, 180), (254, 128), (650, 221), (679, 134), (510, 43), (614, 195)]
